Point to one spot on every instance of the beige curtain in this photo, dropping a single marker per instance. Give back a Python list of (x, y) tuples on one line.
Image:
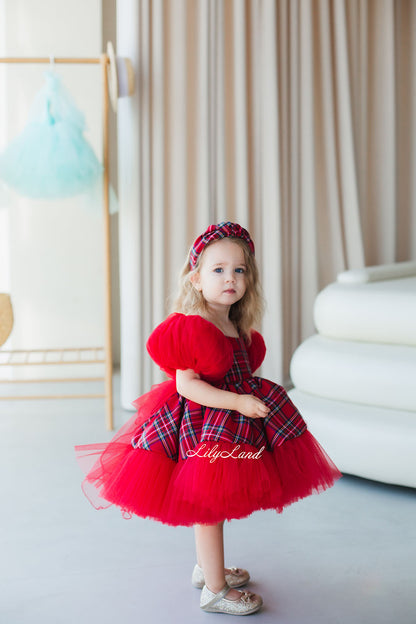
[(295, 118)]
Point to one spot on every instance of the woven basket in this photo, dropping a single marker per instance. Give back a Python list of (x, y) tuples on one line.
[(6, 317)]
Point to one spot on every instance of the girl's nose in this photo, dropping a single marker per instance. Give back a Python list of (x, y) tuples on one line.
[(230, 277)]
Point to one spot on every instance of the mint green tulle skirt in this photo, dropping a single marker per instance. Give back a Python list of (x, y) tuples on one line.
[(51, 158)]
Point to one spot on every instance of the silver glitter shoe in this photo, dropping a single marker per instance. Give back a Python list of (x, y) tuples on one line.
[(236, 577), (216, 603)]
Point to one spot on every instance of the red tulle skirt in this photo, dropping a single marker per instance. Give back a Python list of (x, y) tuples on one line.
[(217, 481)]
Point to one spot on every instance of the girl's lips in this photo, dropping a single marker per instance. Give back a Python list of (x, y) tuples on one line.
[(230, 291)]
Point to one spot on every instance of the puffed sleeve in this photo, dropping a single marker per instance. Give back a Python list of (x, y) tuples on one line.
[(182, 342), (256, 350)]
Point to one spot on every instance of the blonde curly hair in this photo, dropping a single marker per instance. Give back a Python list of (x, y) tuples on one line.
[(245, 313)]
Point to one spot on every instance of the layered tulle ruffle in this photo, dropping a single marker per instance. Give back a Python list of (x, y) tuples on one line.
[(217, 481)]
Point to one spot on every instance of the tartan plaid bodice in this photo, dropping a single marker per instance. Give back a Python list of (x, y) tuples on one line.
[(240, 369), (180, 424)]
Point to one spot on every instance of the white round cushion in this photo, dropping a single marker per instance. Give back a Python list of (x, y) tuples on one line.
[(379, 311), (358, 372), (370, 442)]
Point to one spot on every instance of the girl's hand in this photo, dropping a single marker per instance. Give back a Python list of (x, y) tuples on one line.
[(251, 406)]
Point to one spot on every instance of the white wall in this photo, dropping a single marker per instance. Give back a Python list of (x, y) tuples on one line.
[(51, 255)]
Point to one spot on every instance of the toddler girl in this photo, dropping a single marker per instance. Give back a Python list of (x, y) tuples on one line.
[(214, 442)]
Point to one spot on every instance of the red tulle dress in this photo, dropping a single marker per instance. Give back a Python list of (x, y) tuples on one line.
[(183, 463)]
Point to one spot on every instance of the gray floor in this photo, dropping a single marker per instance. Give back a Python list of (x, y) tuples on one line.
[(347, 555)]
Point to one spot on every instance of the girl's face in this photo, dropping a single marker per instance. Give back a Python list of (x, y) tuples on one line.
[(222, 274)]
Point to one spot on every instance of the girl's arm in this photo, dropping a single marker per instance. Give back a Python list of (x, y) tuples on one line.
[(192, 387)]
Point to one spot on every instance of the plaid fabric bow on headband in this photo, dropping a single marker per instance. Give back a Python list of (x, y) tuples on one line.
[(226, 229)]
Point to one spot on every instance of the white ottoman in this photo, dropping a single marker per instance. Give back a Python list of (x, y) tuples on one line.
[(355, 381)]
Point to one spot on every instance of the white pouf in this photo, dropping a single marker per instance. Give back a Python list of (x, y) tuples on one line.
[(355, 382)]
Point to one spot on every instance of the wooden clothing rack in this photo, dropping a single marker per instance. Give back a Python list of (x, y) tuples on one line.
[(93, 355)]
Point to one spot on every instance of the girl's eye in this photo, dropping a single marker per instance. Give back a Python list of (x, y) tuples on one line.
[(240, 270), (218, 270)]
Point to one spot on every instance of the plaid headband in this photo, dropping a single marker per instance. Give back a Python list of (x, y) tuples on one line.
[(226, 229)]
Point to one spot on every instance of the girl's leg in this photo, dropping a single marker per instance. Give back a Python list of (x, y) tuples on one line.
[(210, 556), (209, 542), (198, 528)]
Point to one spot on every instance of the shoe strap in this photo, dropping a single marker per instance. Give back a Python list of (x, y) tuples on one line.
[(217, 597)]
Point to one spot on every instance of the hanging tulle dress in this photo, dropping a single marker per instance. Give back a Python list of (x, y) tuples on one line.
[(51, 158), (182, 463)]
